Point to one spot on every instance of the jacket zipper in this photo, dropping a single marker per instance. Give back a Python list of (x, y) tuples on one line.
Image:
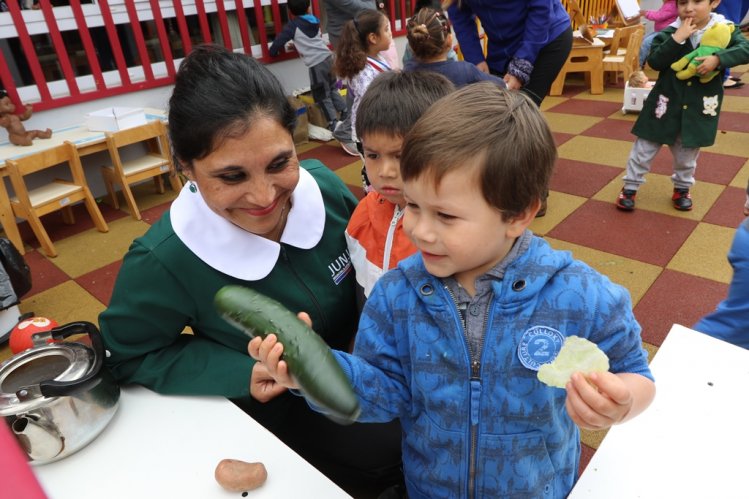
[(475, 383), (306, 289), (397, 215)]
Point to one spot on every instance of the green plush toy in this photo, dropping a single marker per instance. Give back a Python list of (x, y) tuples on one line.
[(715, 38)]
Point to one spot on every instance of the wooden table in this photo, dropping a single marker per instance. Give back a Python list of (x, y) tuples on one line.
[(692, 441), (86, 141), (584, 58), (159, 446)]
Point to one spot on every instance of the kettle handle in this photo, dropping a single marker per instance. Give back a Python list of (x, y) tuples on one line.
[(52, 388)]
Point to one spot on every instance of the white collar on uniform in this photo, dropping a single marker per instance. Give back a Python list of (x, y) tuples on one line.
[(236, 252)]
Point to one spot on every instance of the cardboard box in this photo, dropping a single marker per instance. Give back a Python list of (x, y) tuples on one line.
[(113, 119), (301, 130)]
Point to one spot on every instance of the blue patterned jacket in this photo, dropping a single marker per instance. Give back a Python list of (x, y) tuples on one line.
[(496, 431)]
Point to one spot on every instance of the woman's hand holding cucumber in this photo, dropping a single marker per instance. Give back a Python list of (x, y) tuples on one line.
[(263, 386)]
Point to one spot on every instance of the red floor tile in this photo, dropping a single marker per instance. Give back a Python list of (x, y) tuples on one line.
[(586, 455), (100, 282), (611, 129), (734, 122), (44, 274), (711, 167), (151, 215), (57, 229), (331, 155), (641, 235), (678, 298), (560, 138), (580, 178), (587, 107), (728, 209)]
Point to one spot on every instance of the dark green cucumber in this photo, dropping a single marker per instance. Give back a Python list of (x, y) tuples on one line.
[(309, 358)]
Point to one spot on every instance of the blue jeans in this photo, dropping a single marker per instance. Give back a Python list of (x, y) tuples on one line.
[(645, 47)]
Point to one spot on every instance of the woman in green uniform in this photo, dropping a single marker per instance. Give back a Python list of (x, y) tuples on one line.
[(251, 214)]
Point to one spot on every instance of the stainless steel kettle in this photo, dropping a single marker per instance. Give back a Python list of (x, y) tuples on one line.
[(57, 397)]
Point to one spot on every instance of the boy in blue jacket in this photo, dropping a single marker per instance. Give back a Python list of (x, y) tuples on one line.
[(304, 30), (451, 340)]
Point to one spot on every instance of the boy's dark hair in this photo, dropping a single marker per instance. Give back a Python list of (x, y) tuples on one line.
[(395, 100), (298, 7), (500, 131), (219, 94), (428, 30)]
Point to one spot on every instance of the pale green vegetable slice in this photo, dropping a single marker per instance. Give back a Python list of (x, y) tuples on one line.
[(577, 355)]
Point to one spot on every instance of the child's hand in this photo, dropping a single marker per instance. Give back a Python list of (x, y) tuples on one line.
[(598, 401), (268, 352), (685, 30), (512, 82), (707, 64)]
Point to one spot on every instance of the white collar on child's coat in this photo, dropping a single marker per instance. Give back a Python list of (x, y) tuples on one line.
[(236, 252), (696, 37)]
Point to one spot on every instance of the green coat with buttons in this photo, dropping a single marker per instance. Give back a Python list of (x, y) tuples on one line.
[(685, 107)]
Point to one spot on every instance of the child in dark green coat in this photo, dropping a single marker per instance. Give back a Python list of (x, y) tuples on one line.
[(681, 113)]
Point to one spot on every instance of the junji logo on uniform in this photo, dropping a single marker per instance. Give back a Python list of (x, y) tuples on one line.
[(340, 267)]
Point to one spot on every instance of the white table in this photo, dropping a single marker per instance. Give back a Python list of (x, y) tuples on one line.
[(692, 442), (160, 446)]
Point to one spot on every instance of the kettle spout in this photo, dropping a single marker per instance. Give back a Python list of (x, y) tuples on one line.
[(40, 441)]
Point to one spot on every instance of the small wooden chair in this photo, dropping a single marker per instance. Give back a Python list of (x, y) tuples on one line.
[(126, 172), (626, 62), (31, 204)]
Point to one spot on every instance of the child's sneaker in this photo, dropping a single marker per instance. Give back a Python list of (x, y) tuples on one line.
[(682, 199), (626, 200)]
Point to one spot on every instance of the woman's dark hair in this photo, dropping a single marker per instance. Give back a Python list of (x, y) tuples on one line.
[(351, 55), (428, 31), (217, 94)]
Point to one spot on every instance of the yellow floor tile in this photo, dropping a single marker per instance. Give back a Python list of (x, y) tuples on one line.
[(704, 253), (570, 123), (145, 195), (592, 438), (93, 249), (67, 302), (596, 150), (560, 206), (742, 177), (634, 275), (610, 94), (732, 143), (736, 103), (351, 174), (550, 102), (655, 195)]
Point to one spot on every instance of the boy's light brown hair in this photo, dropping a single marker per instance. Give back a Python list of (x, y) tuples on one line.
[(500, 129)]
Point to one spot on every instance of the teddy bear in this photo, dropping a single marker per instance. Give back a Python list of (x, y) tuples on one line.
[(17, 134), (715, 38)]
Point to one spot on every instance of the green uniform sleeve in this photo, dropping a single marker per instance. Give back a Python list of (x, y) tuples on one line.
[(142, 329)]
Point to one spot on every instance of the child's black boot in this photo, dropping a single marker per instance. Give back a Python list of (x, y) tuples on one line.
[(682, 199)]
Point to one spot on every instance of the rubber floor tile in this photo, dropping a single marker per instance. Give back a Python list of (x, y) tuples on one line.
[(641, 235), (736, 122), (581, 178), (100, 282), (711, 167), (44, 274), (611, 129), (679, 298), (331, 155), (587, 107), (728, 209)]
